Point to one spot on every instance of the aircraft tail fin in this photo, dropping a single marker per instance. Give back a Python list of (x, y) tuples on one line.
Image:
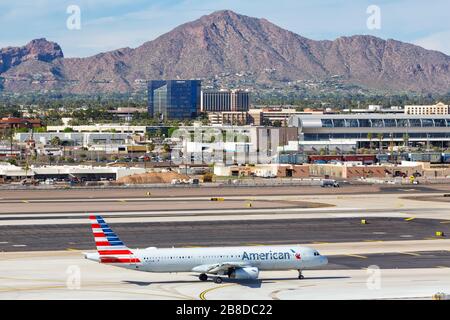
[(110, 248)]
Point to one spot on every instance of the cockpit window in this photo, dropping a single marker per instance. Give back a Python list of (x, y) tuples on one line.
[(316, 253)]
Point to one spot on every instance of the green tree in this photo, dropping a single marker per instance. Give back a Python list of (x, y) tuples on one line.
[(166, 148), (56, 141)]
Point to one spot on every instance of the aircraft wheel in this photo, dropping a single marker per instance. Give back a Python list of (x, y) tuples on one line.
[(218, 280), (203, 277)]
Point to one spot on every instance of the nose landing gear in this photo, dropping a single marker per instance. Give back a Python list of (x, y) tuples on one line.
[(300, 275)]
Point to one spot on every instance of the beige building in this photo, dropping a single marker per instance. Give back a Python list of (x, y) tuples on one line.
[(225, 101), (228, 118), (438, 109), (274, 115)]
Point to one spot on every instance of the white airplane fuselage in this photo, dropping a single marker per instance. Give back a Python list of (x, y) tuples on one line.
[(187, 260)]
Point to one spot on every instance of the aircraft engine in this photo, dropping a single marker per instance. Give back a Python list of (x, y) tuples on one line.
[(248, 273)]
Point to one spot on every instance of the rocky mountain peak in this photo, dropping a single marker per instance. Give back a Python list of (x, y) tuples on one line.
[(225, 42)]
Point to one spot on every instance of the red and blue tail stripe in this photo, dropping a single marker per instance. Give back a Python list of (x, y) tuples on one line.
[(109, 246)]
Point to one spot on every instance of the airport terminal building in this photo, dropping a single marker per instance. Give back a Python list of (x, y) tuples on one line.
[(358, 130)]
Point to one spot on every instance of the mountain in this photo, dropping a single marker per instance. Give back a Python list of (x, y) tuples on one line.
[(228, 43)]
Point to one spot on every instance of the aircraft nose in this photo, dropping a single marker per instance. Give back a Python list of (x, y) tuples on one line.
[(324, 260)]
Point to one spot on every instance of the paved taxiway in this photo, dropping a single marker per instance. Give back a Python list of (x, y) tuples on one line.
[(400, 234), (66, 275)]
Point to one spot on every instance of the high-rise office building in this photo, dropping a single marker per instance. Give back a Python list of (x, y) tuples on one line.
[(174, 99), (225, 101)]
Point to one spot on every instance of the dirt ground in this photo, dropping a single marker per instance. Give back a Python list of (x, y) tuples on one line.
[(152, 177)]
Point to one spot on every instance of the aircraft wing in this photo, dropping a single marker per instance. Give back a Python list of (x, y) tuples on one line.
[(218, 267)]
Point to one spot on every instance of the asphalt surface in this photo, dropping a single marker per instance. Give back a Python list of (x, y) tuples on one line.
[(221, 233), (410, 260), (81, 194), (80, 206)]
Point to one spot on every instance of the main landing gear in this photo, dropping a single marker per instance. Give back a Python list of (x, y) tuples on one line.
[(300, 275), (203, 277)]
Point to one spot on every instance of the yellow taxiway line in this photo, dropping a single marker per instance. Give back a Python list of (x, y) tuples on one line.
[(202, 295)]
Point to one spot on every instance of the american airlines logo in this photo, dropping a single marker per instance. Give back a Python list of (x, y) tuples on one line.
[(269, 255)]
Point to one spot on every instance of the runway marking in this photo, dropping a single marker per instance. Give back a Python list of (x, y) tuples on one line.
[(70, 249), (25, 201), (33, 288), (38, 288), (19, 245), (319, 242), (373, 241), (445, 222), (442, 267), (274, 294), (411, 254), (4, 242), (202, 295), (356, 256), (410, 219)]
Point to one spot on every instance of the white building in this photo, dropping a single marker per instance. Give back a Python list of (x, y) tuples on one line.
[(81, 139), (11, 172), (103, 128)]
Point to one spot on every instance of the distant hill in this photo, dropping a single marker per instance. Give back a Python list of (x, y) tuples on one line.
[(226, 42)]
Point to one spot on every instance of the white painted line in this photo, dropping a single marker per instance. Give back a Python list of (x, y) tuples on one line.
[(19, 245)]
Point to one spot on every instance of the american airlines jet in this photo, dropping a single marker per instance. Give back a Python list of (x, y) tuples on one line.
[(233, 262)]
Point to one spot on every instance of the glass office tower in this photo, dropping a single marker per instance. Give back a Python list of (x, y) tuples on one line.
[(174, 99)]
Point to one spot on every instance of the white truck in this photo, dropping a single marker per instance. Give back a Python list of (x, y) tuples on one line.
[(329, 183)]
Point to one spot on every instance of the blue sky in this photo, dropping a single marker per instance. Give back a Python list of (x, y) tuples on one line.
[(113, 24)]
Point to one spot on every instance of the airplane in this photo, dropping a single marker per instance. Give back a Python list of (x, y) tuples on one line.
[(241, 263)]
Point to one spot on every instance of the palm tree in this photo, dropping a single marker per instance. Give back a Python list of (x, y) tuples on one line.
[(27, 168), (406, 139), (370, 137), (380, 137)]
